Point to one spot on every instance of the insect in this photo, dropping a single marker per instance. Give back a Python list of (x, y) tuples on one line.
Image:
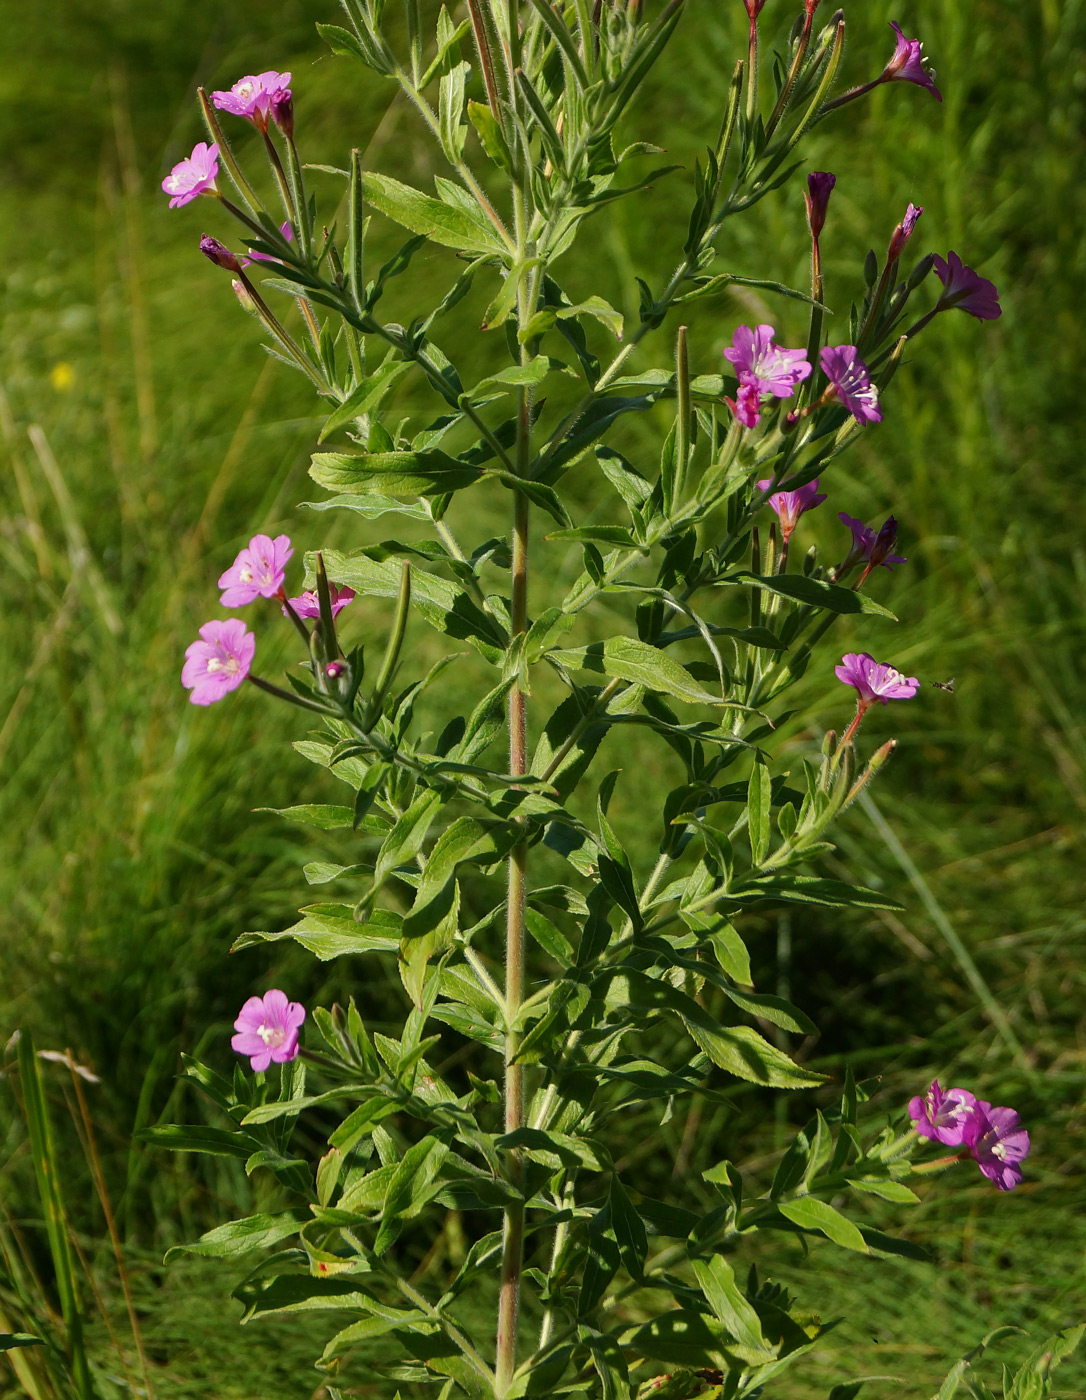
[(945, 685)]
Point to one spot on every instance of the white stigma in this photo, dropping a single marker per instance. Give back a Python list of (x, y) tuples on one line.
[(246, 574), (272, 1036)]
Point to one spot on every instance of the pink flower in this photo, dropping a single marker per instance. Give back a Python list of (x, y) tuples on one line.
[(820, 185), (903, 232), (874, 680), (252, 96), (907, 64), (287, 232), (965, 289), (308, 604), (267, 1029), (767, 367), (193, 176), (790, 505), (849, 377), (257, 572), (219, 661), (866, 544), (747, 405), (998, 1143), (944, 1118)]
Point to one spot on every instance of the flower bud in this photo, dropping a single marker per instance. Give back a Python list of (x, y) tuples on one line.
[(903, 232), (241, 291), (884, 542), (282, 111), (334, 670), (820, 185), (219, 253)]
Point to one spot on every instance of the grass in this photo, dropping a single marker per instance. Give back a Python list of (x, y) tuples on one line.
[(146, 438)]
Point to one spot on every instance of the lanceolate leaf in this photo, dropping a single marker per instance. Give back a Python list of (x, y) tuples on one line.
[(631, 660), (468, 231), (328, 937), (391, 473), (813, 1214), (243, 1236)]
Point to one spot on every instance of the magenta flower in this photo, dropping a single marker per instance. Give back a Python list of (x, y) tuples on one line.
[(257, 572), (965, 289), (768, 367), (287, 232), (252, 96), (219, 253), (308, 604), (874, 680), (907, 65), (849, 376), (267, 1029), (903, 232), (945, 1118), (747, 405), (999, 1144), (219, 661), (820, 185), (790, 505), (194, 175)]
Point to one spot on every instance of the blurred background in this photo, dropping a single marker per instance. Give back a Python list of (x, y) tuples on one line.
[(145, 436)]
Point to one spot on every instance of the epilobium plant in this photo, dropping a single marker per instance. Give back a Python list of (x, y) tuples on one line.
[(452, 1182)]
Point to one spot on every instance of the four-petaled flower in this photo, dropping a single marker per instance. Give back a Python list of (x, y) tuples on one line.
[(965, 289), (219, 661), (252, 96), (820, 185), (874, 680), (257, 572), (767, 367), (849, 376), (308, 604), (907, 64), (790, 505), (194, 175), (944, 1117), (999, 1143), (267, 1029)]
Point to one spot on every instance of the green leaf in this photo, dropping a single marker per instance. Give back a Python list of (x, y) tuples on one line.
[(327, 936), (406, 839), (682, 1337), (534, 372), (243, 1236), (392, 473), (412, 1185), (10, 1340), (301, 1293), (813, 1214), (888, 1190), (810, 889), (729, 1303), (468, 231), (630, 660), (812, 591), (385, 1319), (366, 397), (759, 800), (318, 814), (219, 1142), (444, 605), (371, 507)]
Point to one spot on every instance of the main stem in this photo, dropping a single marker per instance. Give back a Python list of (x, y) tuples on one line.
[(513, 1248)]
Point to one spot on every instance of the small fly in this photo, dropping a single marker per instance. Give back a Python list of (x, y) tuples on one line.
[(945, 685)]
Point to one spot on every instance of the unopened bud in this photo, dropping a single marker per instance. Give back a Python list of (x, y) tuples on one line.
[(884, 542), (920, 272), (880, 756), (282, 111), (820, 185), (903, 232), (219, 253), (334, 670), (871, 268), (241, 291), (829, 743), (810, 561)]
